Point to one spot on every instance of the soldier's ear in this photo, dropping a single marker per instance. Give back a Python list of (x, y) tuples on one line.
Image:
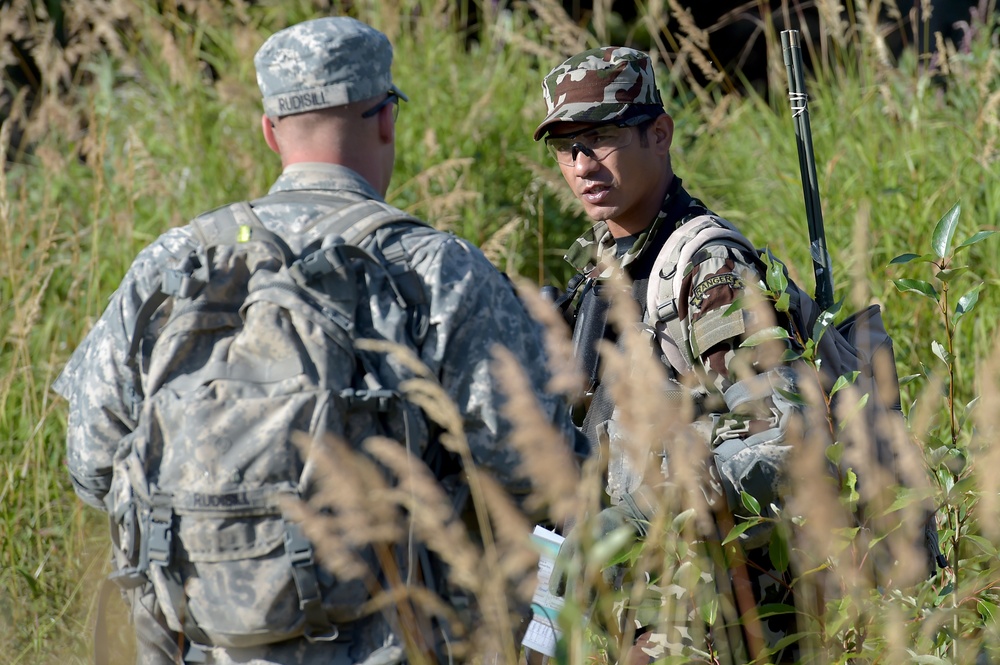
[(662, 133), (386, 124), (267, 127)]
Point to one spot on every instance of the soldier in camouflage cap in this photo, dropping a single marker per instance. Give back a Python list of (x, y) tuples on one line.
[(329, 113), (601, 85), (323, 63), (608, 132)]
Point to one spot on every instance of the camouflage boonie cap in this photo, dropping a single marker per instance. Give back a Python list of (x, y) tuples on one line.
[(597, 86), (324, 62)]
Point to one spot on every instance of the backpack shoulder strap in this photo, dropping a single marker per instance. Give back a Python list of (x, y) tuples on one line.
[(359, 220), (353, 220), (667, 275), (239, 223)]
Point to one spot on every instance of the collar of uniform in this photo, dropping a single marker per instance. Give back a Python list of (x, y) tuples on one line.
[(325, 176), (595, 254)]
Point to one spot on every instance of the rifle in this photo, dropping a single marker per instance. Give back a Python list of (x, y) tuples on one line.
[(798, 99)]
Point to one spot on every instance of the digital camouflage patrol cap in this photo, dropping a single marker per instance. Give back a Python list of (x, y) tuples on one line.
[(324, 62), (598, 85)]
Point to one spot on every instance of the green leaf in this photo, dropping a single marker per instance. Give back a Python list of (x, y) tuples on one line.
[(903, 380), (856, 409), (917, 286), (964, 487), (790, 639), (627, 556), (788, 355), (926, 659), (978, 237), (989, 611), (850, 488), (984, 544), (944, 232), (809, 352), (606, 550), (774, 609), (792, 396), (944, 478), (936, 455), (750, 503), (834, 452), (847, 533), (967, 302), (734, 306), (738, 530), (777, 550), (904, 258), (709, 611), (967, 412), (844, 381), (777, 281), (835, 308), (783, 302), (949, 274), (683, 519), (908, 498), (823, 321), (765, 335), (941, 352)]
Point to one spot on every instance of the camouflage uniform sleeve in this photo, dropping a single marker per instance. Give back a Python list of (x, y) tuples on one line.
[(92, 380), (745, 402), (473, 308)]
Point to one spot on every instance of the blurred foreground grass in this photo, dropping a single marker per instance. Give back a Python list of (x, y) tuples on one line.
[(161, 122)]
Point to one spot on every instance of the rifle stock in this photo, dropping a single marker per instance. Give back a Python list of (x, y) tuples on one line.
[(791, 49)]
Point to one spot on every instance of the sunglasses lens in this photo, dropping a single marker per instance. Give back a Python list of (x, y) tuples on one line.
[(596, 143), (561, 150)]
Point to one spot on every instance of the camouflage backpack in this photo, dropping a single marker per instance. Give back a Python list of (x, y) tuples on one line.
[(252, 362), (851, 346), (859, 346)]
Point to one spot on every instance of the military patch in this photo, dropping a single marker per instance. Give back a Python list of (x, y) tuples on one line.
[(700, 292)]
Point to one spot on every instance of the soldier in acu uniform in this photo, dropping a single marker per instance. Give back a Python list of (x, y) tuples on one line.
[(330, 109), (608, 130)]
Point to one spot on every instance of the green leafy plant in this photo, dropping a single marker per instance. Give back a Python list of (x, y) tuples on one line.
[(952, 446), (162, 124)]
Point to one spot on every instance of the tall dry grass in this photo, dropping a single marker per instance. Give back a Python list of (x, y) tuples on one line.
[(142, 123)]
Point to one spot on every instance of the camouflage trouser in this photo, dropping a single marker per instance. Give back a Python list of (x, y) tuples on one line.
[(726, 640), (302, 652), (366, 642)]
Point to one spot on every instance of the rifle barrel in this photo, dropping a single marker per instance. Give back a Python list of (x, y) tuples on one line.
[(798, 99)]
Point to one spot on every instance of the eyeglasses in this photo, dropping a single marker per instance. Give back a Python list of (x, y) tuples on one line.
[(595, 142), (392, 98)]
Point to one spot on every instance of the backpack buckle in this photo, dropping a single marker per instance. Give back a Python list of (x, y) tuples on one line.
[(666, 311), (160, 530), (300, 553), (297, 546), (318, 264), (129, 578)]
